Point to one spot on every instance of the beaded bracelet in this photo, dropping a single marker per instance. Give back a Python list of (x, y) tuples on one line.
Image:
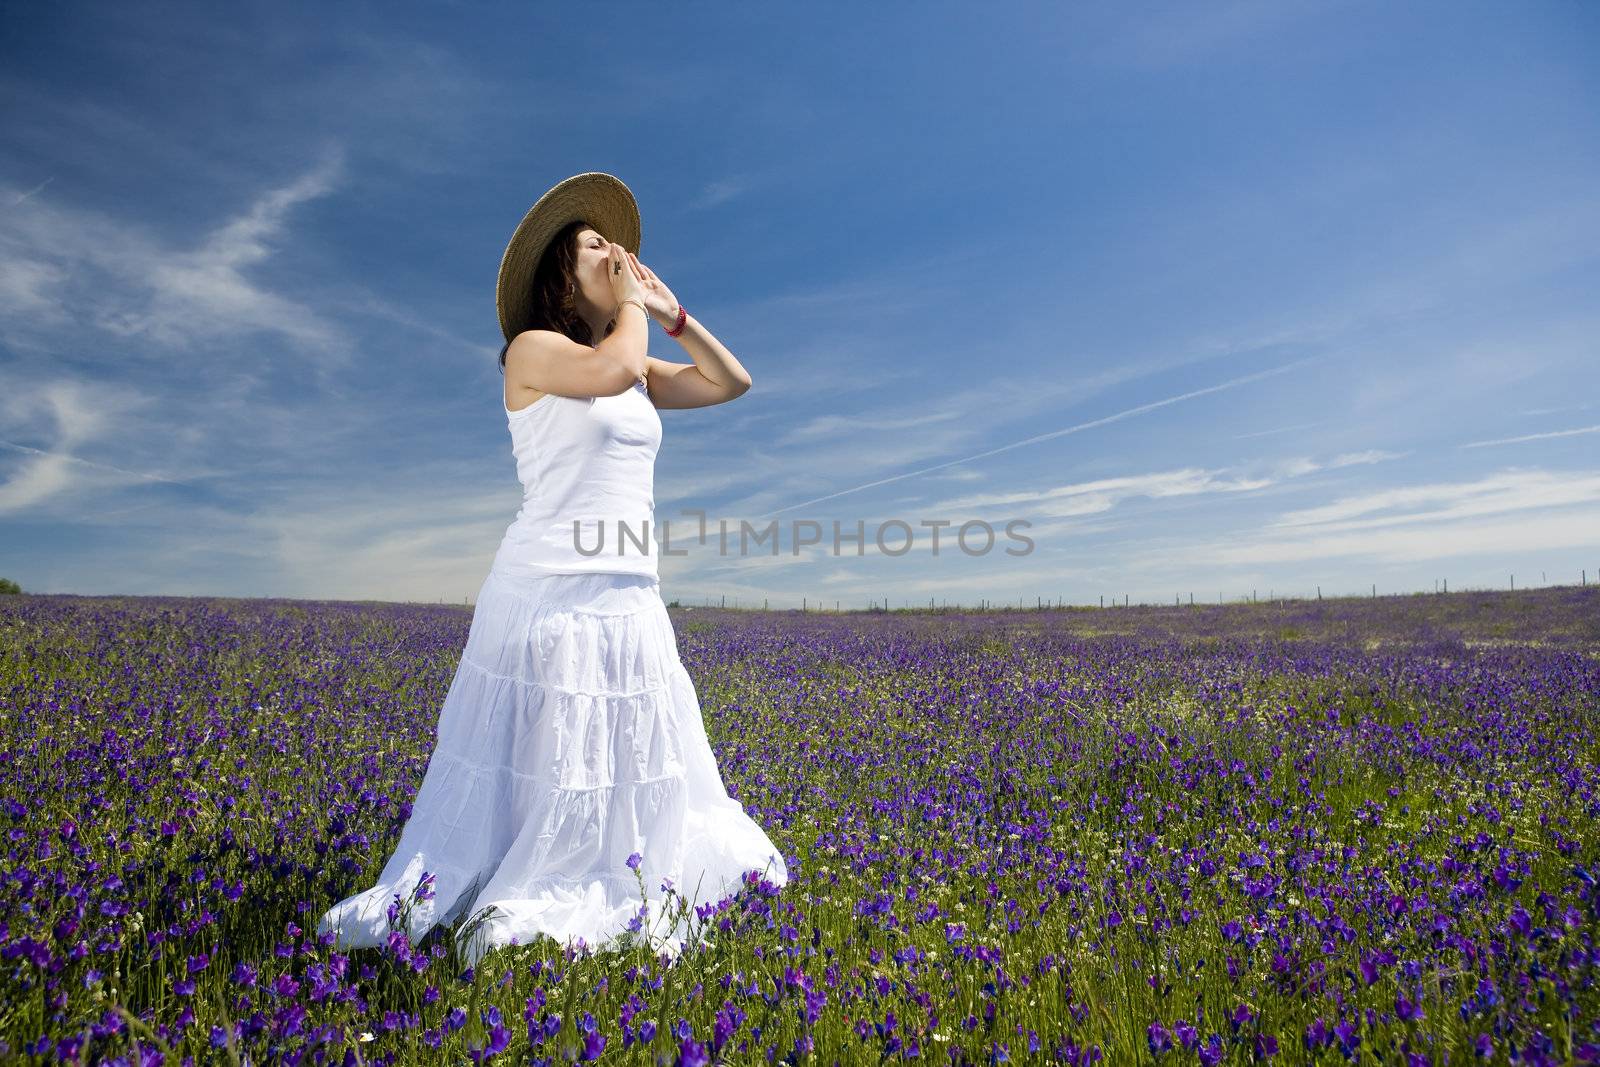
[(677, 328)]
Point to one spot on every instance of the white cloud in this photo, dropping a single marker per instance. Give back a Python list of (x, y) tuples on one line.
[(1280, 429), (830, 426), (24, 285), (62, 416), (64, 265), (1432, 540), (719, 192), (1168, 37), (1507, 513), (1534, 437), (1102, 494), (1494, 494), (1040, 438)]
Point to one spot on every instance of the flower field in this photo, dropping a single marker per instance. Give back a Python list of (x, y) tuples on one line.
[(1344, 831)]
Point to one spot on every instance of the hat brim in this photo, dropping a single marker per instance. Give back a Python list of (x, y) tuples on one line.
[(599, 199)]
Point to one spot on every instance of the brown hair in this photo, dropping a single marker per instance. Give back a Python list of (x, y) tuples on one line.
[(553, 306)]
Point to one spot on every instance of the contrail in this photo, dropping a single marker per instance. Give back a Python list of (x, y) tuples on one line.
[(35, 189), (1141, 409), (89, 463), (1533, 437)]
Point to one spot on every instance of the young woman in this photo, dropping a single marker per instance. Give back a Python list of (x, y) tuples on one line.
[(571, 748)]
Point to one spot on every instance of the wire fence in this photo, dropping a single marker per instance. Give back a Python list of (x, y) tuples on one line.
[(1441, 587)]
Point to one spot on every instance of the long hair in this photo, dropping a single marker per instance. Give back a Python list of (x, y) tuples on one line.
[(553, 305)]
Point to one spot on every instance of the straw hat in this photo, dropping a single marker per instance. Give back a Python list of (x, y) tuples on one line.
[(599, 199)]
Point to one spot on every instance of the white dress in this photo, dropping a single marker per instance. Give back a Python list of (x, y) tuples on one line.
[(571, 736)]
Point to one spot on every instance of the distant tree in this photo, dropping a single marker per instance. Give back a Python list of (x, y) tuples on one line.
[(8, 586)]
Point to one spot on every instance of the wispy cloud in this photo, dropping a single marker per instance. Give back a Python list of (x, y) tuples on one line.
[(1102, 494), (1533, 437), (1416, 543), (1497, 493), (65, 264), (26, 450), (1167, 37), (1273, 433), (718, 192), (1556, 410), (20, 197), (1506, 513), (836, 425), (63, 415), (1040, 438)]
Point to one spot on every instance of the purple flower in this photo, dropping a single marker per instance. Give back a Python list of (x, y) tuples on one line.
[(424, 889), (1407, 1010), (499, 1038), (633, 861), (400, 945)]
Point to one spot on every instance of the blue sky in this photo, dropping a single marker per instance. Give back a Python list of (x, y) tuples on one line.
[(1216, 297)]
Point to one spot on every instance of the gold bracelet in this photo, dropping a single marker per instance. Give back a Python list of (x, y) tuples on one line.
[(637, 303)]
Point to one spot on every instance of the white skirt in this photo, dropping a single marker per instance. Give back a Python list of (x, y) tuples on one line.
[(570, 738)]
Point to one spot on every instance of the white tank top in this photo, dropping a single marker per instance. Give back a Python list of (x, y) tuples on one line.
[(589, 460)]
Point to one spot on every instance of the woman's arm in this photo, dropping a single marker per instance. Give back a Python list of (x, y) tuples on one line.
[(715, 376)]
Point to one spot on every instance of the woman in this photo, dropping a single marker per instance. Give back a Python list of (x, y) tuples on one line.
[(570, 746)]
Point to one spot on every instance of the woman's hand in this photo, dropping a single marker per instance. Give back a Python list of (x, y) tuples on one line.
[(658, 299), (623, 273)]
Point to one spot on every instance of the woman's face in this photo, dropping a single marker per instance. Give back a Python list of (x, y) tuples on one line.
[(593, 261)]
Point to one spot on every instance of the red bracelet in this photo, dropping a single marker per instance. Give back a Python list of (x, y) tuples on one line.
[(683, 317)]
